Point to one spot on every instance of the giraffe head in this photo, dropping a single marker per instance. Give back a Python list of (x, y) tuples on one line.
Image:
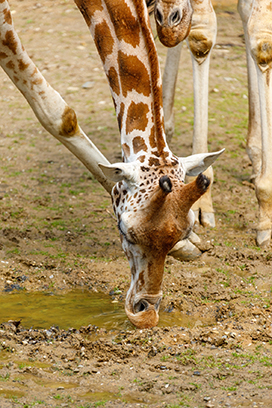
[(152, 205), (173, 20)]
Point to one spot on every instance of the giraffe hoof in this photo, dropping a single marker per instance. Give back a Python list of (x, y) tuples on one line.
[(263, 238), (207, 219), (185, 251), (194, 239)]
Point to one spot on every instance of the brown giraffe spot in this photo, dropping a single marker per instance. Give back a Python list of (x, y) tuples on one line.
[(3, 55), (7, 16), (152, 140), (22, 65), (140, 281), (37, 81), (137, 117), (126, 149), (117, 202), (15, 79), (69, 124), (139, 144), (115, 190), (134, 74), (10, 65), (10, 41), (141, 158), (127, 28), (113, 80), (34, 71), (174, 161), (120, 116), (153, 161), (88, 8), (103, 40)]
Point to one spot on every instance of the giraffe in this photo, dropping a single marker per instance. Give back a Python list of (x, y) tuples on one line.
[(256, 16), (151, 202)]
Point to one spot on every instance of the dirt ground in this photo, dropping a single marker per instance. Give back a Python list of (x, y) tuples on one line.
[(58, 233)]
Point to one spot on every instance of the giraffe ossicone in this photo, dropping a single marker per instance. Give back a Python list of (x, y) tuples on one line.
[(150, 199)]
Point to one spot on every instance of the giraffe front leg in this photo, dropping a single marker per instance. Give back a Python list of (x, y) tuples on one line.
[(169, 80), (259, 30), (263, 181), (254, 138), (201, 41)]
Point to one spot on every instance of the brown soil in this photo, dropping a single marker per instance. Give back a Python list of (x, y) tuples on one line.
[(58, 232)]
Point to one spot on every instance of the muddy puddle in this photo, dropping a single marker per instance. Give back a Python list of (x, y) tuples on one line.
[(41, 310)]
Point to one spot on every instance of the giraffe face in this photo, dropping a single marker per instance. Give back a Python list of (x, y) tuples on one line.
[(173, 20), (152, 217)]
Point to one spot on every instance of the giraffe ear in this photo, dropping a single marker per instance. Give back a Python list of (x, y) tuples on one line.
[(119, 171), (197, 163)]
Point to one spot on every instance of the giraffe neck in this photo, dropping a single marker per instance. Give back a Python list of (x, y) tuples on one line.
[(122, 33)]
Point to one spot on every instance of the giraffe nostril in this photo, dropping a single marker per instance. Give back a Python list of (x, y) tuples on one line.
[(141, 306), (175, 18), (158, 16)]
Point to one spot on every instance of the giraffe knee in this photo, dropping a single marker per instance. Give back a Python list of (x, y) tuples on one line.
[(263, 53), (200, 45), (69, 124)]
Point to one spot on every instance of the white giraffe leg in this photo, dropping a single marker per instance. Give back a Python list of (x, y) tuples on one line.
[(254, 140), (169, 80), (49, 107), (201, 40), (259, 29)]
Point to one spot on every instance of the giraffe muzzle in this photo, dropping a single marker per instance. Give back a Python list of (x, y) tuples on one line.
[(144, 305), (144, 312)]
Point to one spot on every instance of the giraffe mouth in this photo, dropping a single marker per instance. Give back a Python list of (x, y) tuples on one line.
[(144, 312)]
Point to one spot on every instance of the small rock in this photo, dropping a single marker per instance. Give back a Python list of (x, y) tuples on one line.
[(88, 85), (72, 88)]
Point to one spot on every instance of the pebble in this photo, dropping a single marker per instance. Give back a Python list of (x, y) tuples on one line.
[(88, 85), (72, 88)]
